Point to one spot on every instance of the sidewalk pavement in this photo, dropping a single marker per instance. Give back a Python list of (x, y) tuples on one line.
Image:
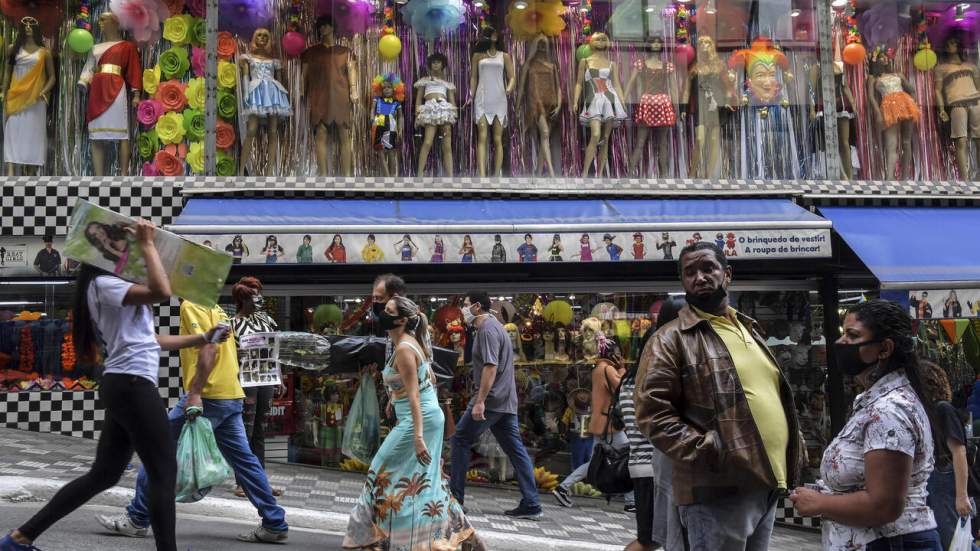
[(320, 497)]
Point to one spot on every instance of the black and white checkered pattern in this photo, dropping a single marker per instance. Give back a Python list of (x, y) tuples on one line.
[(68, 413), (786, 514), (168, 323)]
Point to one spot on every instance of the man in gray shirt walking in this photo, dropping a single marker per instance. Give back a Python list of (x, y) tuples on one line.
[(494, 407)]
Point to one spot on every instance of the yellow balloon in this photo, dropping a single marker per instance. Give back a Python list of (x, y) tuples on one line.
[(389, 46), (925, 59)]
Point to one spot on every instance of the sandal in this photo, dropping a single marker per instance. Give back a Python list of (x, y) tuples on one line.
[(277, 492), (239, 492), (474, 543)]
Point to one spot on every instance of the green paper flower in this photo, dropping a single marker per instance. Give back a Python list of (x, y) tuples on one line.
[(196, 93), (198, 32), (225, 165), (174, 62), (148, 143), (194, 124), (227, 104), (227, 74), (195, 157), (177, 29), (170, 128)]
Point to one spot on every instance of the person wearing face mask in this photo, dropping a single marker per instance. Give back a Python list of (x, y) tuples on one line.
[(493, 407), (385, 287), (251, 317), (872, 491), (710, 396)]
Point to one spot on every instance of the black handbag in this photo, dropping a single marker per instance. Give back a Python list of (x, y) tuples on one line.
[(609, 468)]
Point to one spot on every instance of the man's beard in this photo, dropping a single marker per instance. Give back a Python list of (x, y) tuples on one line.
[(709, 302)]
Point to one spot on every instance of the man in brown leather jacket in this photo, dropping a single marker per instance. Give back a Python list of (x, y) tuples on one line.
[(710, 395)]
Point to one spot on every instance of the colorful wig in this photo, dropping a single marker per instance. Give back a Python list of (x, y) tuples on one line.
[(392, 79)]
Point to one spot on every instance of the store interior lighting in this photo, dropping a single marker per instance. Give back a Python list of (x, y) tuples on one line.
[(711, 8), (961, 12), (520, 5), (795, 13), (838, 3)]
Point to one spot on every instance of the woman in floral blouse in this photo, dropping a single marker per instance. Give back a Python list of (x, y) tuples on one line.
[(872, 492)]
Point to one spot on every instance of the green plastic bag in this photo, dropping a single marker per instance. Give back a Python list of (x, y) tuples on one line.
[(200, 464), (361, 431)]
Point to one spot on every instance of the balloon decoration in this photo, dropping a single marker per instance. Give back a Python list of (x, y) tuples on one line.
[(293, 41), (854, 52), (80, 39), (389, 45), (558, 311), (583, 52)]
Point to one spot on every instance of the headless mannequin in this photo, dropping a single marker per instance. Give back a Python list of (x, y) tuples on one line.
[(109, 26), (30, 43), (900, 131), (341, 136), (436, 68), (487, 50), (261, 49), (539, 53), (598, 129), (714, 93), (844, 98), (661, 133), (957, 83)]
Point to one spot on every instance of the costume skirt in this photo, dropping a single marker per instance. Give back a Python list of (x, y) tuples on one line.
[(436, 112), (655, 110), (899, 107)]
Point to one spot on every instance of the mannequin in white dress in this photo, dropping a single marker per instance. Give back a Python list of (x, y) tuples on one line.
[(27, 83), (490, 87)]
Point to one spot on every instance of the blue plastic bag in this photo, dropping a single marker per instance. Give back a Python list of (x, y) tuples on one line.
[(200, 464), (361, 431)]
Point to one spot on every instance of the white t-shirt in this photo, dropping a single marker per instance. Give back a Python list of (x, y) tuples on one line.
[(126, 331)]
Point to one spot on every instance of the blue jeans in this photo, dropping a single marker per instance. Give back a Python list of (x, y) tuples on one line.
[(942, 501), (229, 432), (741, 522), (505, 430), (581, 449), (927, 540)]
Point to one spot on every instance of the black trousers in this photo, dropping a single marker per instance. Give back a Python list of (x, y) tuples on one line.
[(258, 402), (135, 419)]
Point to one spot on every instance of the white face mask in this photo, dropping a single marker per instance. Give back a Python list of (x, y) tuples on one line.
[(468, 315)]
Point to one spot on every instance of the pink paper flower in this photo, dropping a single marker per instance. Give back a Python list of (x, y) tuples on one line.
[(198, 60), (142, 18), (150, 169), (149, 111)]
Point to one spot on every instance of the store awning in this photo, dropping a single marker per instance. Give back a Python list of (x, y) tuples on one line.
[(913, 248), (258, 216)]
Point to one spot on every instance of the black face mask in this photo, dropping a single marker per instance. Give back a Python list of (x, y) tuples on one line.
[(387, 321), (707, 303), (847, 356), (377, 308)]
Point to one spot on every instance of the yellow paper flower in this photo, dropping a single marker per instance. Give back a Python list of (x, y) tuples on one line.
[(170, 128), (151, 80), (177, 29), (196, 93), (227, 74), (195, 157)]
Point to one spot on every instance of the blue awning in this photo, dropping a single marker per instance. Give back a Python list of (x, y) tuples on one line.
[(253, 216), (913, 248)]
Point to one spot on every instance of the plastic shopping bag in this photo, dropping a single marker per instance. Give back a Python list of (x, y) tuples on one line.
[(962, 539), (200, 464), (361, 436)]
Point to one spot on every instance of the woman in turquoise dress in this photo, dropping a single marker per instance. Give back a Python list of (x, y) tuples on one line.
[(406, 504)]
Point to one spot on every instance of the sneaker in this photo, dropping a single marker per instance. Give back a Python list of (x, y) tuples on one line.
[(561, 494), (264, 535), (630, 508), (123, 525), (525, 512), (7, 543)]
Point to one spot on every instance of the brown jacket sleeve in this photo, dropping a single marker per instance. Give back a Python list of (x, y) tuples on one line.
[(659, 397)]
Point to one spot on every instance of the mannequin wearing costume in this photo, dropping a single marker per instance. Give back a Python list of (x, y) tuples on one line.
[(27, 82), (712, 104), (489, 65), (602, 109), (655, 111), (330, 89), (435, 108), (387, 120), (843, 105), (897, 113), (111, 67), (539, 89), (958, 100), (265, 99), (769, 149)]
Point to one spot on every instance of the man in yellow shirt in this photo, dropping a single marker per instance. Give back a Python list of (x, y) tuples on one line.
[(210, 375)]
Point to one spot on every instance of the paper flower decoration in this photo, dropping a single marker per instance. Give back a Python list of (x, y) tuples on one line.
[(224, 135), (226, 45), (225, 165), (149, 111), (349, 17), (178, 150), (431, 18), (199, 32), (196, 93), (175, 7), (194, 124), (147, 144), (174, 62), (170, 129), (195, 157), (197, 8), (177, 29), (539, 17), (150, 169), (242, 17), (198, 60), (227, 105), (140, 17), (172, 95), (168, 164), (151, 80), (227, 74)]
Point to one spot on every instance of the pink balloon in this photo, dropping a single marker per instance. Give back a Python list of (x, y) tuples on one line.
[(293, 43), (685, 54)]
